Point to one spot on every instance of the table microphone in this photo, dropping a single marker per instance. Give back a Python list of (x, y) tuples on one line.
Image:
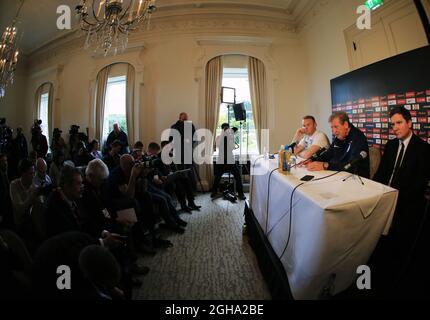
[(314, 157), (361, 156), (318, 154)]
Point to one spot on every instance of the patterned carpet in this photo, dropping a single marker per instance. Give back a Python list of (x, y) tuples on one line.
[(211, 260)]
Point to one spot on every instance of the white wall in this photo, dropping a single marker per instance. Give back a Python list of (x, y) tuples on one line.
[(326, 55)]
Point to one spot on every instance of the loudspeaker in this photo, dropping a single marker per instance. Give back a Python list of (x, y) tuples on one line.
[(239, 111)]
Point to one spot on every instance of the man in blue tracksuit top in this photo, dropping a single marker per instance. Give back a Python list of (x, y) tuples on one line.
[(347, 145)]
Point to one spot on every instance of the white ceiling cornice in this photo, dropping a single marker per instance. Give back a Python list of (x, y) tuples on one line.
[(38, 18)]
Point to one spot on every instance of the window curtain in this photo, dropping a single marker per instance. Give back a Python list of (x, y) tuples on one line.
[(50, 110), (213, 83), (39, 92), (102, 79), (130, 103), (257, 87)]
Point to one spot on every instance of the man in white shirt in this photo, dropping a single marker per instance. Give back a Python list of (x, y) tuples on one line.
[(308, 139)]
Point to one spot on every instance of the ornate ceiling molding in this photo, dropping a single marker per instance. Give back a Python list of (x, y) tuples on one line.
[(165, 28)]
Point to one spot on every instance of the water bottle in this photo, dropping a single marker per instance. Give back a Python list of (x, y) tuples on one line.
[(266, 153), (291, 163)]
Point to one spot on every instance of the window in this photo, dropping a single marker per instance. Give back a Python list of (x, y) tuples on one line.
[(43, 112), (115, 108), (246, 137)]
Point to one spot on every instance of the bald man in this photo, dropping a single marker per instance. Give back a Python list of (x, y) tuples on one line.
[(186, 144), (41, 179), (118, 134)]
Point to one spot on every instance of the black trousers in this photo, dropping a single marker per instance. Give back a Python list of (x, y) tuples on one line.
[(220, 169)]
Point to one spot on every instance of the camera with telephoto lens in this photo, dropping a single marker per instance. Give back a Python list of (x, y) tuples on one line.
[(150, 162)]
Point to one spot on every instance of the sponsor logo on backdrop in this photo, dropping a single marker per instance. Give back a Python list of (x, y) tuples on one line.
[(371, 114)]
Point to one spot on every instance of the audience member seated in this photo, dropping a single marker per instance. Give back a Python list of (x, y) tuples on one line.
[(82, 157), (33, 156), (166, 207), (94, 271), (55, 169), (124, 189), (97, 217), (23, 195), (113, 157), (181, 186), (94, 149), (41, 179), (138, 151), (15, 267), (6, 217), (63, 213)]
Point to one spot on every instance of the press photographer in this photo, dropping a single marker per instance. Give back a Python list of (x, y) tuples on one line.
[(74, 139), (173, 182), (58, 144), (38, 140), (226, 161)]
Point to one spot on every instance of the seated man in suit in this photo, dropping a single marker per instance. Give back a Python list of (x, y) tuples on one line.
[(347, 145), (63, 214), (181, 186), (404, 166)]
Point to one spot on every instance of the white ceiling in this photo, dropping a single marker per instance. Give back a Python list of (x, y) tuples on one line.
[(37, 20)]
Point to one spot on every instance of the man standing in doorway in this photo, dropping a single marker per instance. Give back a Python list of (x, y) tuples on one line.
[(118, 134)]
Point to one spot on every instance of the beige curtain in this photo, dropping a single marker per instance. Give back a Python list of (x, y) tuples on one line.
[(102, 79), (130, 104), (37, 101), (257, 87), (46, 87), (213, 85), (50, 110)]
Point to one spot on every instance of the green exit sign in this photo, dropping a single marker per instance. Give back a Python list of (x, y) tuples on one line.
[(373, 4)]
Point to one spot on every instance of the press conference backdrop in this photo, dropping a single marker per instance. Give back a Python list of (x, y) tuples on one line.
[(369, 93)]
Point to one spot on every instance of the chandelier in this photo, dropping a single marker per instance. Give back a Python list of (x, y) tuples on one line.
[(8, 54), (108, 24)]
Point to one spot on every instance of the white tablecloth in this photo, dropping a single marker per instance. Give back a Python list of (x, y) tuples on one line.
[(335, 224)]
